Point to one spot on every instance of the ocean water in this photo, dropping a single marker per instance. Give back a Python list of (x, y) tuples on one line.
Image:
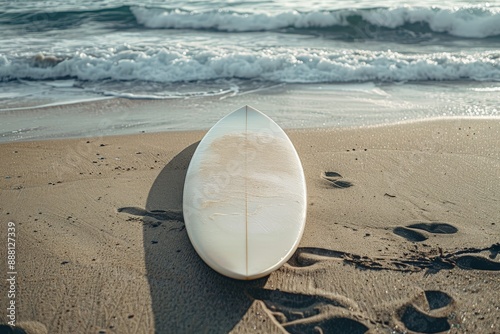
[(385, 60)]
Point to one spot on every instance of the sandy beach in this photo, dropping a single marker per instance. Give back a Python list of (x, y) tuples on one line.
[(402, 236)]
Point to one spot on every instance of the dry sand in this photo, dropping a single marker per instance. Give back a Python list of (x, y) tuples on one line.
[(402, 236)]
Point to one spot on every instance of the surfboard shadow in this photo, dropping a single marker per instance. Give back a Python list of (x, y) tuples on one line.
[(187, 296)]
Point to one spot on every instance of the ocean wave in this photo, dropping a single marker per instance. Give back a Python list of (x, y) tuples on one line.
[(281, 65), (462, 22), (466, 22)]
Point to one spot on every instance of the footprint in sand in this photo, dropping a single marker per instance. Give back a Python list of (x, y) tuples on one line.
[(410, 232), (472, 262), (428, 312), (336, 180), (299, 313), (458, 259)]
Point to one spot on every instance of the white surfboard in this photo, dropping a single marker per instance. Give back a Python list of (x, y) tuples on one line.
[(245, 196)]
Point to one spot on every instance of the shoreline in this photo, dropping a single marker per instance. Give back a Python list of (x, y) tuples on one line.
[(287, 130), (292, 106), (401, 234)]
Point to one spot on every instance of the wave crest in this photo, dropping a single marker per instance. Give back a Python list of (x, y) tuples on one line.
[(463, 22), (282, 65)]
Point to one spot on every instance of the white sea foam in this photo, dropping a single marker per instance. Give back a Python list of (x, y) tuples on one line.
[(473, 22), (282, 65)]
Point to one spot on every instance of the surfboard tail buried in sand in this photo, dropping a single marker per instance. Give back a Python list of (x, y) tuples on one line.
[(245, 196)]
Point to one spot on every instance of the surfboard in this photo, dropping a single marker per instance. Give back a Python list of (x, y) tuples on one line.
[(244, 199)]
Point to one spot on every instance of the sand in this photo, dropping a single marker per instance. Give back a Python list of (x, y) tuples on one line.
[(402, 236)]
